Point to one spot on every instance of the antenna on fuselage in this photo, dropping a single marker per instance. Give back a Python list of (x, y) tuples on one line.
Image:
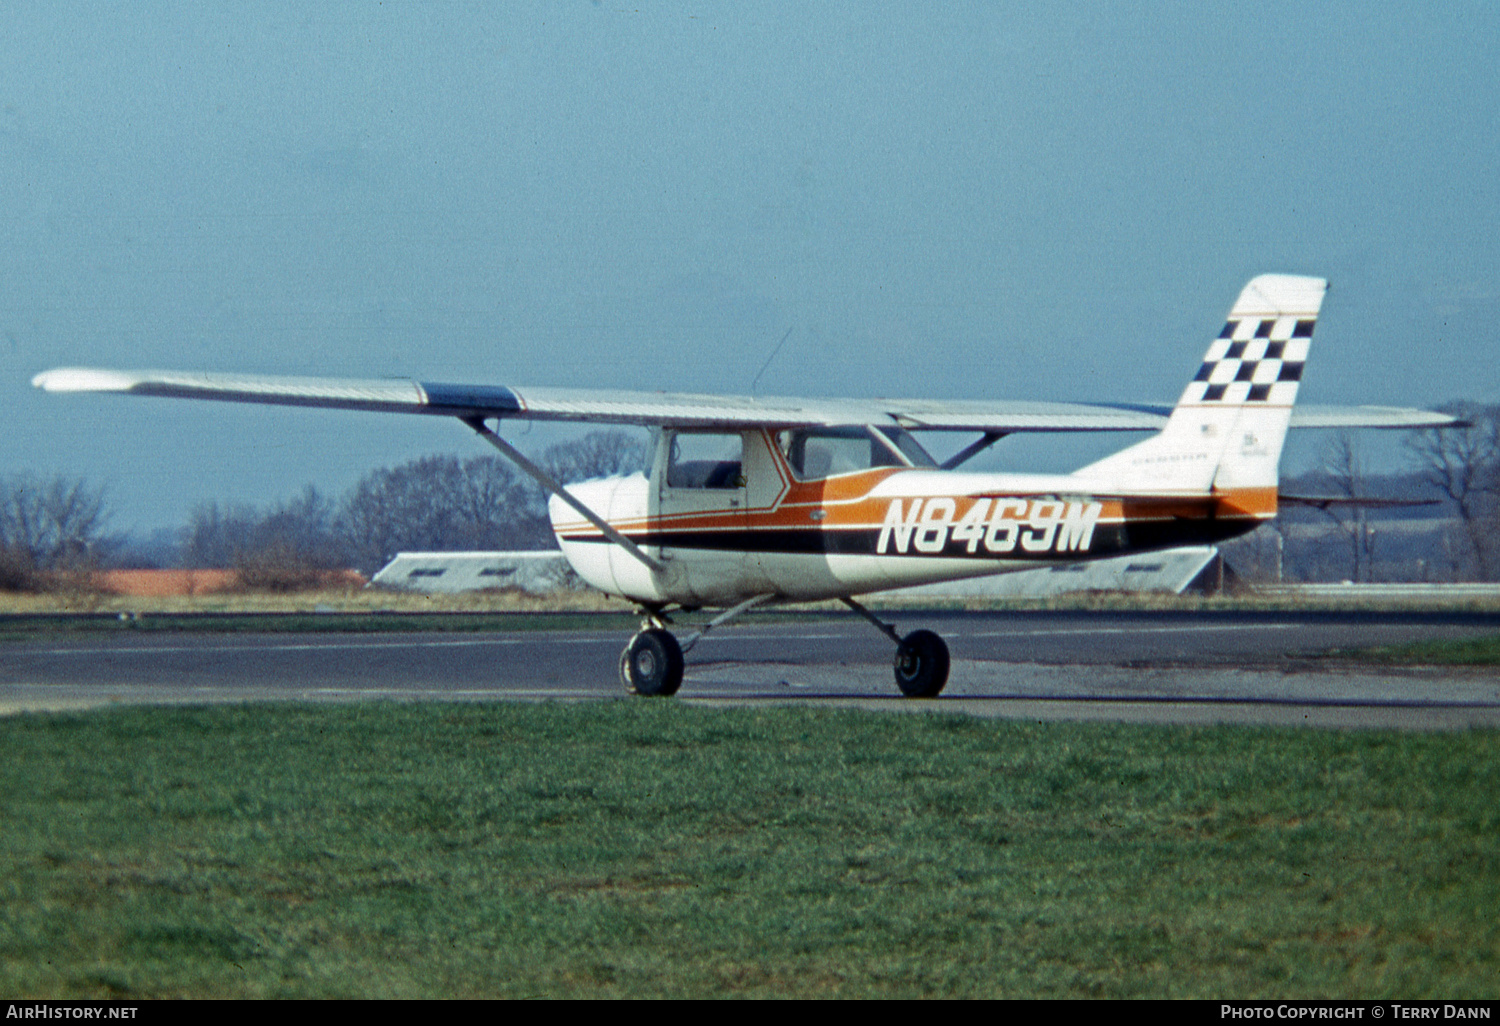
[(756, 380)]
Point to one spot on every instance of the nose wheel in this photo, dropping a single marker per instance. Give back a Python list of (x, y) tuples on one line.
[(652, 663)]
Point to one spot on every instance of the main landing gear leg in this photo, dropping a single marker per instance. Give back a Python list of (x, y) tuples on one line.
[(921, 657)]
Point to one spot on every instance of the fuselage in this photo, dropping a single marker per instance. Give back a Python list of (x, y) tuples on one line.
[(753, 525)]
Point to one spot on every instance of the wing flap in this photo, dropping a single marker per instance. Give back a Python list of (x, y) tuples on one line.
[(1325, 502)]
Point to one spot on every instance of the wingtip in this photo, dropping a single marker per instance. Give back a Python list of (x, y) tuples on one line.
[(82, 379)]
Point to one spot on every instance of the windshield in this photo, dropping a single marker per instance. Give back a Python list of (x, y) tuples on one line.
[(815, 453)]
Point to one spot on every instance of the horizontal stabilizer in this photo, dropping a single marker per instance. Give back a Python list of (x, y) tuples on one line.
[(1313, 415), (1326, 501), (1385, 417)]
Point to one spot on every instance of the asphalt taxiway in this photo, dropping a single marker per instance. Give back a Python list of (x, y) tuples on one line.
[(1160, 667)]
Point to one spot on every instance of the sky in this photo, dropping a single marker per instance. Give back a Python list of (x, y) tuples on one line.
[(992, 200)]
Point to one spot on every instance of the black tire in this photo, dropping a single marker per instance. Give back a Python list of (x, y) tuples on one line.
[(652, 664), (921, 665)]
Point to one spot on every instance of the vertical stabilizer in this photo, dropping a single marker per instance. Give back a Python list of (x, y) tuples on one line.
[(1227, 430)]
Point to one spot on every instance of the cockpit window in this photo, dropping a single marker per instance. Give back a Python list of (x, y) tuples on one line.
[(815, 453), (701, 459)]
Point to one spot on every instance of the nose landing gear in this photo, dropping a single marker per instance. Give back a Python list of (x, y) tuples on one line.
[(652, 663)]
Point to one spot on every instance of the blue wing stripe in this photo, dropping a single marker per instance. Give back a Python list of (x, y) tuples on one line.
[(477, 398)]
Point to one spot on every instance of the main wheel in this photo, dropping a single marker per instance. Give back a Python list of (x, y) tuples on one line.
[(652, 664), (921, 665)]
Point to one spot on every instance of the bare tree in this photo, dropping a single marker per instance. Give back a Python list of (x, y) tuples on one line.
[(596, 454), (1463, 463), (1344, 471), (293, 546), (1259, 556), (435, 503), (439, 503), (217, 535), (50, 527), (289, 546)]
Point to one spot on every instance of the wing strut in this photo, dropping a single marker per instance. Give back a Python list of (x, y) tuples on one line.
[(973, 449), (548, 482)]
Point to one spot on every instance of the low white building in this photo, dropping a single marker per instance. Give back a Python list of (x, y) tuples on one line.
[(435, 572)]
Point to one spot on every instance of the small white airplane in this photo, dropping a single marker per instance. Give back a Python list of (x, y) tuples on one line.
[(751, 501)]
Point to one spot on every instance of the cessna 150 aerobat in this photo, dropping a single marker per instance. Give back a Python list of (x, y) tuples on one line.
[(750, 501)]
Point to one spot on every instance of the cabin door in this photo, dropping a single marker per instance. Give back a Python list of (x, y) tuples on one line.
[(700, 509)]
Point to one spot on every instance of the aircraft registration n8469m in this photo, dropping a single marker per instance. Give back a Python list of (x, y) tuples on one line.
[(750, 501)]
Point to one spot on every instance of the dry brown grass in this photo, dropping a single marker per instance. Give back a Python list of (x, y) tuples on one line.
[(82, 598), (340, 600)]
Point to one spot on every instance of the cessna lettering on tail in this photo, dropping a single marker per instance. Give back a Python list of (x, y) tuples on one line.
[(999, 525)]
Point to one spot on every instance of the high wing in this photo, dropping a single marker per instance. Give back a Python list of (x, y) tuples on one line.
[(674, 409)]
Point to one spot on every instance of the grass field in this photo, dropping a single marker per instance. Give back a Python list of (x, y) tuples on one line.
[(1466, 652), (657, 849)]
